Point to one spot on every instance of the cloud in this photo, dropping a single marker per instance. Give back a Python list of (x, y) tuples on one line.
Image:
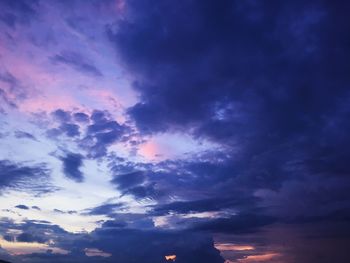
[(266, 82), (24, 135), (137, 184), (27, 237), (72, 162), (62, 115), (110, 238), (66, 125), (11, 90), (24, 207), (18, 12), (77, 62), (201, 73), (102, 132), (205, 205), (240, 223), (105, 209), (59, 211), (189, 247), (125, 181), (81, 117), (23, 177), (92, 133), (242, 75), (71, 130)]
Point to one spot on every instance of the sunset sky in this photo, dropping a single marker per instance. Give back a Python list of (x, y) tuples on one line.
[(193, 131)]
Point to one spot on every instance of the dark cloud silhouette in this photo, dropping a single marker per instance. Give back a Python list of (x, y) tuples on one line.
[(189, 247), (24, 207), (132, 245), (76, 61), (243, 75), (72, 162), (201, 71), (240, 223), (267, 82), (27, 237)]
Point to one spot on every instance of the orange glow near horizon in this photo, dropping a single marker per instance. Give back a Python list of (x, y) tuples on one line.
[(259, 258), (170, 257), (231, 247), (23, 248)]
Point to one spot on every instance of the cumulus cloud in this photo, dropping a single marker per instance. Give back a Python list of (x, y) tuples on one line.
[(93, 132)]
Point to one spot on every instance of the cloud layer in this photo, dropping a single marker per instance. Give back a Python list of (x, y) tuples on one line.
[(213, 131)]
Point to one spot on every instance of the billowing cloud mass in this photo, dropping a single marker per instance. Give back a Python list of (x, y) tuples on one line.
[(185, 131)]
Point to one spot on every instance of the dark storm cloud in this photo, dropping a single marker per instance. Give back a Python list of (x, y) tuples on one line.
[(76, 61), (72, 162), (124, 244), (241, 223), (189, 247), (267, 81), (23, 177), (201, 179), (232, 59), (266, 78)]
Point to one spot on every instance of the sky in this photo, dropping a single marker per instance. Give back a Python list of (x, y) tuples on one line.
[(174, 131)]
